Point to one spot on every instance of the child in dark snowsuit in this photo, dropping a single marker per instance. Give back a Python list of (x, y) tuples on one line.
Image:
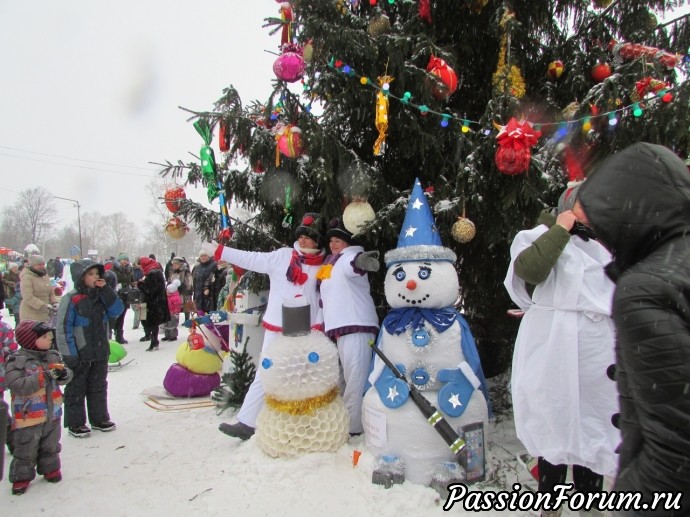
[(82, 339), (33, 377)]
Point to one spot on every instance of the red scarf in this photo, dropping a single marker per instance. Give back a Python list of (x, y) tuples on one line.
[(294, 272)]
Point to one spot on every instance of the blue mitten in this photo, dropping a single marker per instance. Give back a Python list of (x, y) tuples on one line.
[(393, 391), (455, 393)]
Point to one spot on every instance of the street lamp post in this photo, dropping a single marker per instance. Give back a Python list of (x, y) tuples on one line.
[(81, 249)]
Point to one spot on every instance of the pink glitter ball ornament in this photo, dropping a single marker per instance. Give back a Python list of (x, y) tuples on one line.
[(289, 66)]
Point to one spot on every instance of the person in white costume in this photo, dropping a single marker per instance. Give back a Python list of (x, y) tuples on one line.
[(292, 273), (349, 313), (563, 400)]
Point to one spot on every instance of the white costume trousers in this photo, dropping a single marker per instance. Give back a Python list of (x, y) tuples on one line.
[(355, 357), (254, 400)]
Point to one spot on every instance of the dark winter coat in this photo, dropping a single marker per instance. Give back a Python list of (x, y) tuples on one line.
[(125, 275), (200, 275), (638, 204), (155, 295), (215, 283), (82, 319), (59, 268)]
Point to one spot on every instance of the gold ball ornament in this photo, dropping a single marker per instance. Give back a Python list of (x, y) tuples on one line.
[(463, 230), (357, 215), (176, 228), (379, 25)]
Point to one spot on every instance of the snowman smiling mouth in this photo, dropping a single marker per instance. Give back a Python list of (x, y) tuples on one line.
[(414, 302)]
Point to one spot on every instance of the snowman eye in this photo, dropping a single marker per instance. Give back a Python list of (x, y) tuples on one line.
[(399, 274), (266, 363), (313, 357), (424, 272)]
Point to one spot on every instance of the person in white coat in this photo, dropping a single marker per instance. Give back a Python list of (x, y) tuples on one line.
[(563, 399), (349, 313), (292, 273)]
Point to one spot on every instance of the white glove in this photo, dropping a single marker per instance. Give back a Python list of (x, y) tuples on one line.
[(173, 286), (210, 248)]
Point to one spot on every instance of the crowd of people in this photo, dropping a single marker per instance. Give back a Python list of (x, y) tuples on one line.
[(601, 365)]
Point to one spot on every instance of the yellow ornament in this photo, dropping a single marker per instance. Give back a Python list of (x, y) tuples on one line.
[(463, 230), (381, 116)]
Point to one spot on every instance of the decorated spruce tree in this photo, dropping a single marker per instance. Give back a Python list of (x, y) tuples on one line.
[(492, 104)]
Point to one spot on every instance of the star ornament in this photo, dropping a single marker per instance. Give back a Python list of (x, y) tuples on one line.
[(455, 400), (417, 204), (410, 231), (392, 393)]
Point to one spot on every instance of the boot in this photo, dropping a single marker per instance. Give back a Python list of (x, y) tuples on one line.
[(146, 337), (120, 338), (54, 476), (238, 430), (19, 487)]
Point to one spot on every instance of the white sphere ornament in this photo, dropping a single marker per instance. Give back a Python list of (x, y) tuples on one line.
[(357, 215)]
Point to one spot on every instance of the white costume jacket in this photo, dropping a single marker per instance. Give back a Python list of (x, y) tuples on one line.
[(562, 398), (275, 264)]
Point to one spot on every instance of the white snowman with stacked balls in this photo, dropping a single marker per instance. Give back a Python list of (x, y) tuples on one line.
[(428, 341), (304, 411)]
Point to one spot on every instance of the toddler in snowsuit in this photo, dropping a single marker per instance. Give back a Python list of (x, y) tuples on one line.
[(33, 377), (175, 307)]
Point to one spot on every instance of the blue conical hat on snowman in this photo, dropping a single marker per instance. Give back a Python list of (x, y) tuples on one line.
[(419, 238)]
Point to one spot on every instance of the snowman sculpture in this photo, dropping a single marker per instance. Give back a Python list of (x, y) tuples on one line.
[(430, 343), (304, 411)]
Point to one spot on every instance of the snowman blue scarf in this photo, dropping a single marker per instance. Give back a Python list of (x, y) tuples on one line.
[(399, 320)]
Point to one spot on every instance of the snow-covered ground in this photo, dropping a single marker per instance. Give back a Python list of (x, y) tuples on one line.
[(178, 463)]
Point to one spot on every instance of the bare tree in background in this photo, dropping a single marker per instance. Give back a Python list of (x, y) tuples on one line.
[(30, 219), (93, 231), (120, 233)]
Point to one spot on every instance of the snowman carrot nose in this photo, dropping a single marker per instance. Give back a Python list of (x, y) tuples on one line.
[(411, 285)]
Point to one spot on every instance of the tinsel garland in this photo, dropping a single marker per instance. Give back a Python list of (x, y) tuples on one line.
[(513, 76), (302, 406)]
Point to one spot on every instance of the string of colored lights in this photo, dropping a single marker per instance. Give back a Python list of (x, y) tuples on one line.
[(666, 95)]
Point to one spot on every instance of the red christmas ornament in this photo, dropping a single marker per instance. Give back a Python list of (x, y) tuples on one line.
[(307, 220), (601, 71), (425, 10), (223, 137), (515, 141), (631, 51), (289, 66), (258, 167), (446, 74), (172, 198), (195, 341), (289, 143)]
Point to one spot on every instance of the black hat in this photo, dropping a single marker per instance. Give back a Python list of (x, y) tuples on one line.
[(336, 229), (311, 226)]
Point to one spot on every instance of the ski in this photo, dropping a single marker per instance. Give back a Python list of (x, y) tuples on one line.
[(179, 407)]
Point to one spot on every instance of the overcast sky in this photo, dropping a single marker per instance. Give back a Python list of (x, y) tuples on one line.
[(89, 91)]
